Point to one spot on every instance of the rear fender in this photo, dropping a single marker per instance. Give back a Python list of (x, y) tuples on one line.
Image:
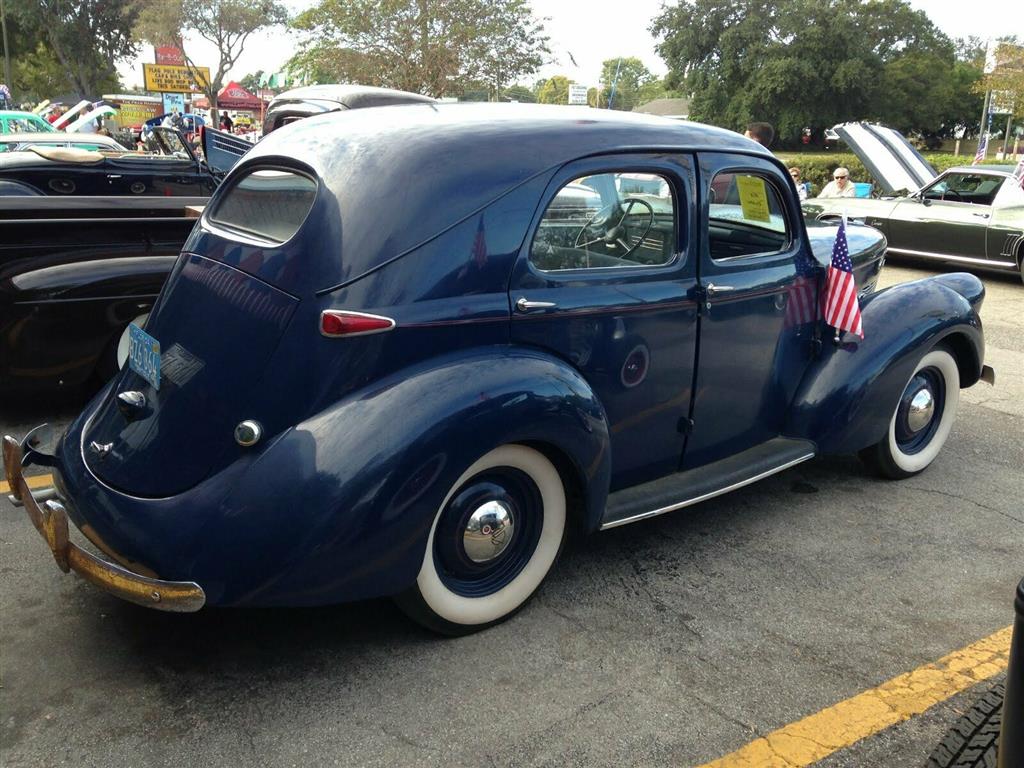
[(849, 394), (359, 484)]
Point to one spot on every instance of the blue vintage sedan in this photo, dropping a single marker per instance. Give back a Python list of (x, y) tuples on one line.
[(405, 351)]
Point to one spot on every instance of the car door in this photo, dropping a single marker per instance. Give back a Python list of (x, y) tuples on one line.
[(1005, 236), (758, 316), (949, 218), (606, 281)]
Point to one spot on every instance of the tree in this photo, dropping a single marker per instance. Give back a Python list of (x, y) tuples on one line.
[(806, 63), (72, 45), (555, 90), (225, 23), (436, 47), (632, 78), (251, 82), (518, 93)]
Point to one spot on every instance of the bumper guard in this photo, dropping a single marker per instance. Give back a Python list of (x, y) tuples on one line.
[(51, 520)]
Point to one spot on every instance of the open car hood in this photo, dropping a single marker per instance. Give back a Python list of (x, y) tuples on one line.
[(892, 161), (222, 150)]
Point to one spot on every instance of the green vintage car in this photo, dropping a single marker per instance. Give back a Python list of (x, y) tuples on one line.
[(970, 215)]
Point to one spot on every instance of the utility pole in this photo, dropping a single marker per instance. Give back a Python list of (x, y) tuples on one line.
[(986, 119), (7, 50), (611, 93)]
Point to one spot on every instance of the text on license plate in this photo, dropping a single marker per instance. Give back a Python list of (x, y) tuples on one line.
[(144, 355)]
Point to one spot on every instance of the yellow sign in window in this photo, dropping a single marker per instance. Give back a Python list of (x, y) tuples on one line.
[(753, 198)]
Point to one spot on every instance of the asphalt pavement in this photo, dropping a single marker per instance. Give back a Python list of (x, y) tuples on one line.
[(672, 641)]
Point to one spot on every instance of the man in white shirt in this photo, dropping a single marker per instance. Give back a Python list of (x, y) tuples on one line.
[(840, 186)]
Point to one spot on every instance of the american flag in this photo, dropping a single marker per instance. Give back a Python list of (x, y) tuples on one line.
[(480, 244), (982, 148), (842, 309)]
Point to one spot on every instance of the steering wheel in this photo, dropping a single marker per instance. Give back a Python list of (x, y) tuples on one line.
[(613, 235), (954, 193)]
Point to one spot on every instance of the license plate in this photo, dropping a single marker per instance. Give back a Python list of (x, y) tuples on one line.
[(144, 355)]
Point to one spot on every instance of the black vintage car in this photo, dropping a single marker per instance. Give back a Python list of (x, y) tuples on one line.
[(311, 100), (74, 273), (172, 168)]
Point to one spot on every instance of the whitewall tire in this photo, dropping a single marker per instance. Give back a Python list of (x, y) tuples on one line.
[(922, 420), (494, 539)]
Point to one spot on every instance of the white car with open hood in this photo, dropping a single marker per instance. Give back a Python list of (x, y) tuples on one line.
[(969, 215)]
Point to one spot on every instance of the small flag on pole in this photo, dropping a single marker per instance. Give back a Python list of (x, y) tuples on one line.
[(842, 309), (982, 148)]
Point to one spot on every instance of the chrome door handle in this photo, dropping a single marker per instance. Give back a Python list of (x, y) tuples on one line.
[(525, 305), (713, 289), (113, 175), (980, 215)]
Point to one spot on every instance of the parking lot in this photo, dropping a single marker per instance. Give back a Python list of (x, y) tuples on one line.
[(674, 641)]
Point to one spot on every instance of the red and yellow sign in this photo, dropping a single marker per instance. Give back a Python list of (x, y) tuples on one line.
[(172, 79), (170, 54)]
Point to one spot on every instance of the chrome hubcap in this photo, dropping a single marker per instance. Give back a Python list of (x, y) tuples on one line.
[(489, 531), (921, 410)]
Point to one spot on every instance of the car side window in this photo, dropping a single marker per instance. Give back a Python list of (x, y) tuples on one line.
[(746, 216), (975, 188), (608, 220)]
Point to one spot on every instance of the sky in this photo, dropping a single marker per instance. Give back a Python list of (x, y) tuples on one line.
[(595, 30)]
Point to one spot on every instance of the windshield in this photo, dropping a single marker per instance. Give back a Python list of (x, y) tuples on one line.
[(169, 143), (957, 187)]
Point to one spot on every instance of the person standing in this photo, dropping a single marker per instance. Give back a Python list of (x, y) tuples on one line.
[(226, 123), (840, 186), (801, 188), (762, 133)]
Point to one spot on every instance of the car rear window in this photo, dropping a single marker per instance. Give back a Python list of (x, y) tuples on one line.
[(269, 203)]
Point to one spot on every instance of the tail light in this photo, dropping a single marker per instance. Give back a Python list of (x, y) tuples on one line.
[(335, 323)]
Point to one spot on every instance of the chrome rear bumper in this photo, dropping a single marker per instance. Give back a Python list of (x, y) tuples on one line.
[(51, 520)]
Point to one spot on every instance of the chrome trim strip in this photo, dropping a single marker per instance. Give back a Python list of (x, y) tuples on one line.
[(709, 495), (945, 257)]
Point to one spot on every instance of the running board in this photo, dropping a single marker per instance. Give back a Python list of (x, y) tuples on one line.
[(692, 486)]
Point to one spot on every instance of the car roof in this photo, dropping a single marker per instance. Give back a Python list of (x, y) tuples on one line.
[(351, 96), (525, 137), (438, 164), (1002, 170), (17, 113), (56, 137)]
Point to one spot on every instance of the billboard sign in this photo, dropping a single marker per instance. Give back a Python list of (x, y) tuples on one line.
[(577, 94), (168, 78), (170, 54)]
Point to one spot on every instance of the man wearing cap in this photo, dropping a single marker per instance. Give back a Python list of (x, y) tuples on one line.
[(840, 186)]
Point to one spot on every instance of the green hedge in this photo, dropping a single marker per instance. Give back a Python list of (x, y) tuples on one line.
[(817, 167)]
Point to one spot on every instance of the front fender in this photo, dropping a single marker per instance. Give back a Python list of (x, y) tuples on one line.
[(359, 484), (847, 397)]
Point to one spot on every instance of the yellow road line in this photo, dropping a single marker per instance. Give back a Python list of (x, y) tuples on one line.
[(36, 481), (817, 736)]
